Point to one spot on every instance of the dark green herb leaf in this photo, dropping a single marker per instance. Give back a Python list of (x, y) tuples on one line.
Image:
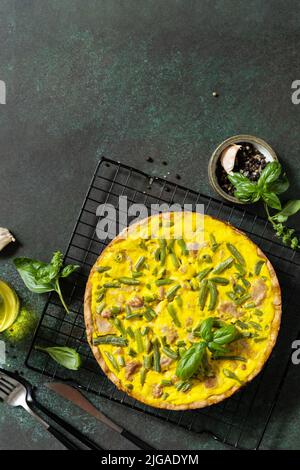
[(66, 357), (40, 277), (272, 200), (270, 173), (226, 335), (279, 186), (190, 362), (290, 208)]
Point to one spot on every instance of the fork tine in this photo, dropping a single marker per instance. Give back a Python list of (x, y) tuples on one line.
[(8, 379), (3, 394), (6, 382), (5, 388)]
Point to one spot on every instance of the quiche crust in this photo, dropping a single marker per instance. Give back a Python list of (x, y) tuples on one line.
[(214, 398)]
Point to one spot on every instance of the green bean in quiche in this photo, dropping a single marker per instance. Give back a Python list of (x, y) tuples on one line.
[(130, 332), (206, 258), (258, 312), (148, 361), (231, 375), (135, 274), (119, 325), (148, 344), (129, 281), (140, 263), (220, 280), (229, 358), (115, 310), (178, 300), (175, 260), (173, 315), (164, 282), (112, 360), (213, 295), (258, 267), (110, 339), (172, 291), (241, 269), (223, 265), (163, 251), (121, 361), (157, 254), (139, 340), (255, 325), (242, 299), (203, 293), (213, 243), (250, 305), (169, 352), (100, 307), (143, 374), (245, 282), (112, 285), (156, 355), (203, 273), (102, 269), (145, 330), (100, 297), (182, 246), (134, 316), (166, 383), (132, 352), (235, 252)]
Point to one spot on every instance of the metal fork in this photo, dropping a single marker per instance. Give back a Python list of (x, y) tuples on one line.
[(14, 394)]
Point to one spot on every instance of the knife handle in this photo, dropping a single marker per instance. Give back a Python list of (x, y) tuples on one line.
[(67, 427), (136, 440), (62, 438)]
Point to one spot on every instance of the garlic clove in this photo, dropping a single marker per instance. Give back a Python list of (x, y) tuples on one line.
[(228, 157), (5, 237)]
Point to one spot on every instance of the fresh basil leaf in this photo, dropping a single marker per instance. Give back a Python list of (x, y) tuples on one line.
[(40, 277), (270, 173), (191, 361), (57, 260), (290, 208), (279, 186), (272, 200), (245, 190), (69, 269), (226, 335), (206, 329), (215, 347), (28, 270), (237, 179), (63, 355)]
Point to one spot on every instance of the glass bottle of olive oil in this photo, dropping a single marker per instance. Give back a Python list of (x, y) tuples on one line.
[(9, 306)]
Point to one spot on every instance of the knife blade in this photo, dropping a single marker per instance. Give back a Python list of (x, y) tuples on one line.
[(75, 396)]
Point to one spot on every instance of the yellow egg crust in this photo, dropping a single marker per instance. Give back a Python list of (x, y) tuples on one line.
[(264, 318)]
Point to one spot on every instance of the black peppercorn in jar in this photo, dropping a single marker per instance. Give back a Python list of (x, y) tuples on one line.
[(243, 154)]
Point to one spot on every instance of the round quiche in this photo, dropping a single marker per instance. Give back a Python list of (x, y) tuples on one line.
[(181, 310)]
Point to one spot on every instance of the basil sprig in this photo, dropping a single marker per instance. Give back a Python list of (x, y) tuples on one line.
[(270, 184), (215, 335), (63, 355), (41, 277)]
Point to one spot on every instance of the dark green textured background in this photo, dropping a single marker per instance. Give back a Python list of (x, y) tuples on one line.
[(132, 79)]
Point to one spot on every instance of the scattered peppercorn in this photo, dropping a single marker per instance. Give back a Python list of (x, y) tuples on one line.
[(215, 94), (149, 159)]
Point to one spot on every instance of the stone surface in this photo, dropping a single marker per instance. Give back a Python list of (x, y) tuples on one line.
[(131, 80)]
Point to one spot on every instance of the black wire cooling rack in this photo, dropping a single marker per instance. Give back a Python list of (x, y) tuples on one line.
[(240, 421)]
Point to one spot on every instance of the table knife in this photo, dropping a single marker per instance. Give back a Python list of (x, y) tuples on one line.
[(72, 394)]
